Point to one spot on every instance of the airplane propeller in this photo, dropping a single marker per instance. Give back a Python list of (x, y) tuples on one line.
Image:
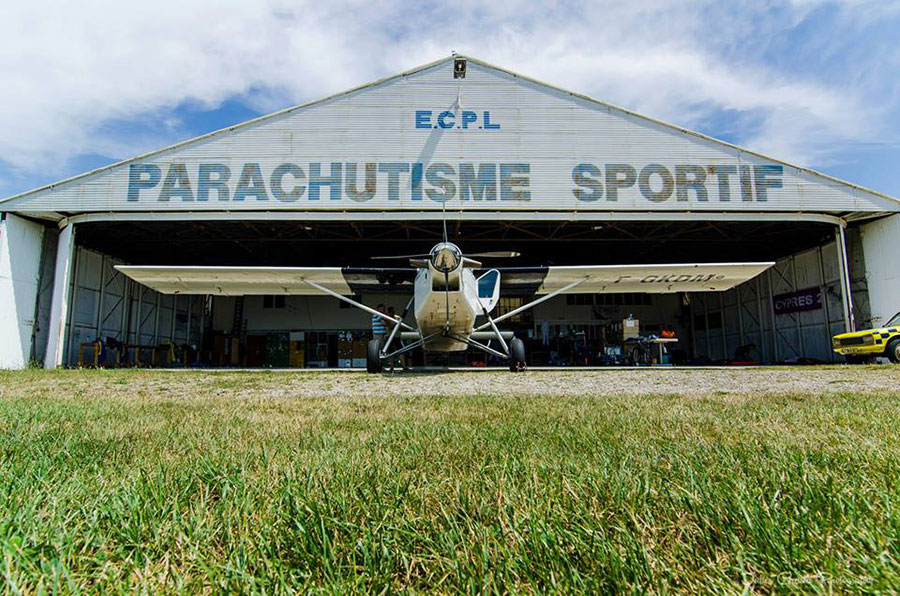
[(496, 254), (384, 258)]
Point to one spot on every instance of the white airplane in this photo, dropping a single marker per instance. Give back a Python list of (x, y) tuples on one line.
[(447, 297)]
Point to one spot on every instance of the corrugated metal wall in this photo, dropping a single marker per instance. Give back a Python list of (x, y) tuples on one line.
[(549, 132), (107, 304), (727, 320)]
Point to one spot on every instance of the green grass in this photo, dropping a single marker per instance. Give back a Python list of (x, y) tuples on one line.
[(133, 480)]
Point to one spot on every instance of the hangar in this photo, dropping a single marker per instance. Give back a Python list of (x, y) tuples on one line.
[(511, 163)]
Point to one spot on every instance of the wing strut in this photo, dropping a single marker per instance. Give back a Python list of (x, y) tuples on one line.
[(497, 331), (532, 304), (479, 345), (397, 327), (358, 305)]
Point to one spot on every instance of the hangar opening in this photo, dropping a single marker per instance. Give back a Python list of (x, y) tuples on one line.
[(572, 330), (517, 165)]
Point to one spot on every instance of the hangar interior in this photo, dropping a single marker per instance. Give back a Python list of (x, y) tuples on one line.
[(573, 330)]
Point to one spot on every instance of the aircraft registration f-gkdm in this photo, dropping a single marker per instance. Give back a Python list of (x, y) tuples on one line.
[(447, 297)]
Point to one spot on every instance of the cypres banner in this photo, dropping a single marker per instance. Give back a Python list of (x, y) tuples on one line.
[(799, 301)]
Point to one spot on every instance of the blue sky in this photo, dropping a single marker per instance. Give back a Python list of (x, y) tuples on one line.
[(812, 82)]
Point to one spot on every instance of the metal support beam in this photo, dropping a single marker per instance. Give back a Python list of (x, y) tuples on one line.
[(797, 315), (846, 289), (496, 331), (358, 305), (102, 294), (174, 314), (125, 323), (706, 324), (206, 301), (531, 304), (763, 349), (824, 292), (156, 319), (396, 327), (478, 345), (410, 347), (73, 300), (59, 305), (503, 216), (693, 303), (724, 326), (775, 351), (138, 321), (187, 333)]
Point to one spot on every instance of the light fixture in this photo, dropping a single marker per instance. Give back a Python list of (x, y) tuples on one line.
[(459, 68)]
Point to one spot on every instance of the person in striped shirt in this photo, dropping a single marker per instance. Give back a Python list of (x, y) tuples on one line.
[(379, 328)]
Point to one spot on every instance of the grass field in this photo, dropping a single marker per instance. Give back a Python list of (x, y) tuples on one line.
[(275, 482)]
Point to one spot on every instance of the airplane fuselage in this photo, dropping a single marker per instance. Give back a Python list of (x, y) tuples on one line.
[(446, 299), (445, 308)]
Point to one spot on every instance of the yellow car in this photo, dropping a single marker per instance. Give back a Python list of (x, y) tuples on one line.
[(862, 346)]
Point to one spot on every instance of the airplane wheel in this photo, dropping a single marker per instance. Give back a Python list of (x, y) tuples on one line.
[(516, 355), (373, 356)]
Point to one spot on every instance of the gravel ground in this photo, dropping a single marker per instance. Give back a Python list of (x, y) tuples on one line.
[(287, 384), (601, 382)]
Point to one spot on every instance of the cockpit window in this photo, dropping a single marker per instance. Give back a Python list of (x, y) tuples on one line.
[(486, 284)]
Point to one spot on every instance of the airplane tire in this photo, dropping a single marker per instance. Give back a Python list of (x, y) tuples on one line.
[(373, 356), (516, 355)]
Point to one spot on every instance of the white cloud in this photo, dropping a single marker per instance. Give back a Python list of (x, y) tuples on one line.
[(69, 68)]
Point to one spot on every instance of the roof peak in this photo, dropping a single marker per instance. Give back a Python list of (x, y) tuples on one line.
[(421, 68)]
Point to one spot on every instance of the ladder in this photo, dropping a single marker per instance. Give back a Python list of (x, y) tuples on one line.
[(237, 325)]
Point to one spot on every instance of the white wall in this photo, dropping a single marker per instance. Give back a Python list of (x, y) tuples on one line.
[(551, 131), (20, 268), (880, 244)]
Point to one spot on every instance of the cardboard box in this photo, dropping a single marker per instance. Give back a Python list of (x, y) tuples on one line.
[(631, 328), (226, 350), (298, 355)]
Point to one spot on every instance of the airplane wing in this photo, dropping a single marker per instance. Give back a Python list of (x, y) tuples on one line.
[(656, 279), (240, 281)]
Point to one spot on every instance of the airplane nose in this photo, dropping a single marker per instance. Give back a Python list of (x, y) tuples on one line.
[(445, 257)]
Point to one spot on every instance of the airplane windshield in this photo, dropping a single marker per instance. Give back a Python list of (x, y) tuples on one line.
[(486, 284), (895, 320)]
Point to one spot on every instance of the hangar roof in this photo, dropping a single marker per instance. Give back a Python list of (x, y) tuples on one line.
[(490, 144)]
